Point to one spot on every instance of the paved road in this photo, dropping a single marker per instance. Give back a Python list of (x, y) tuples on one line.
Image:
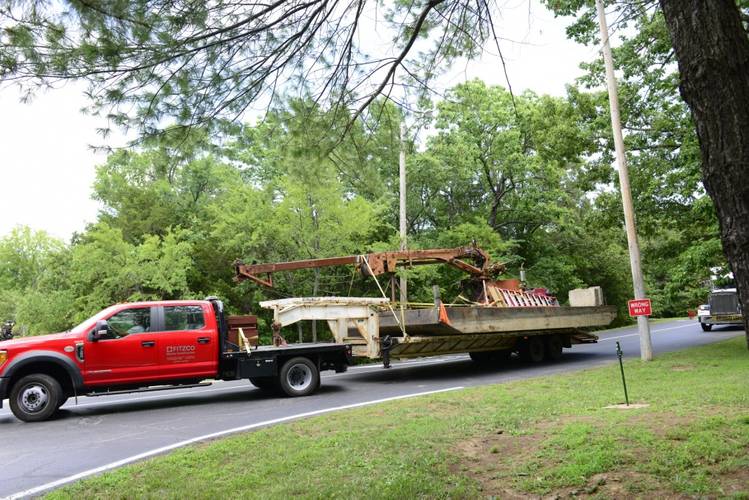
[(102, 433)]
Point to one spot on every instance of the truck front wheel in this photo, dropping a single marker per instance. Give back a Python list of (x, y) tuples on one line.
[(706, 327), (299, 377), (35, 397)]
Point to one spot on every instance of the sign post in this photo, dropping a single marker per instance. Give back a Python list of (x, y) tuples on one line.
[(646, 345)]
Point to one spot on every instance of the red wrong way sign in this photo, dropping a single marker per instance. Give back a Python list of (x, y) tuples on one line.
[(640, 307)]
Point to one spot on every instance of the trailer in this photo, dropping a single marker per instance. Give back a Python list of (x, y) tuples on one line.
[(499, 319)]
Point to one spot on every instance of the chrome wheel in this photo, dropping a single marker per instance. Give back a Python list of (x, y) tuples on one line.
[(299, 377), (33, 398)]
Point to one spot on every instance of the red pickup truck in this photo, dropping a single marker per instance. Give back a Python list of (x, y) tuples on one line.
[(148, 346)]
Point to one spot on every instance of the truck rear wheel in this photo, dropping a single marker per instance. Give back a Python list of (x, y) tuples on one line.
[(533, 349), (706, 327), (35, 397), (299, 377)]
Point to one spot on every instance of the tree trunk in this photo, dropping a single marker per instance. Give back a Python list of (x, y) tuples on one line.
[(713, 53)]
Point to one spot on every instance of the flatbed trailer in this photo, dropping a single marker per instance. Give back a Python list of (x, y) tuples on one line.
[(374, 329)]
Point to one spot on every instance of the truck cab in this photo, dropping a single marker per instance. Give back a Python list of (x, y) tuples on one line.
[(147, 345)]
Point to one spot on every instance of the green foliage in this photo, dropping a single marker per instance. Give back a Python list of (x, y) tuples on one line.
[(156, 62), (676, 220), (528, 179), (30, 273)]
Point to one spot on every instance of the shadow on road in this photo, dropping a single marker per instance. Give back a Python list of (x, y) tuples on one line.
[(454, 370), (240, 395)]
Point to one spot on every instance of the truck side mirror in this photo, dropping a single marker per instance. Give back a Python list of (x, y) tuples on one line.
[(100, 331)]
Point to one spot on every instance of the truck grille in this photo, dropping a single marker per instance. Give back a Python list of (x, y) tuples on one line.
[(724, 303)]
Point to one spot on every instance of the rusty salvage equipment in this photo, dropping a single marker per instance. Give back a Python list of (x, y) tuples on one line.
[(380, 263), (481, 288), (501, 315)]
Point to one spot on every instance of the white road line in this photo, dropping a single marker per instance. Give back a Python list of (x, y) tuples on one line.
[(60, 482), (672, 328)]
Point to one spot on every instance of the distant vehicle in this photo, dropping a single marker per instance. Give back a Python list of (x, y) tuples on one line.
[(703, 310), (6, 331), (723, 308)]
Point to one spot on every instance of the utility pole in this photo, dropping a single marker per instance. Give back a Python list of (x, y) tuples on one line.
[(646, 346), (403, 229)]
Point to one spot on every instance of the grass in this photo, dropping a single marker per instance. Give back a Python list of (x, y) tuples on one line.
[(545, 436)]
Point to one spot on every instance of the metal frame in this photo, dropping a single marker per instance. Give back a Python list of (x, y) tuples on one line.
[(359, 322), (379, 263), (341, 314)]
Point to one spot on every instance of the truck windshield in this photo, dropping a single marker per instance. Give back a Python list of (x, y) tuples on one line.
[(89, 323)]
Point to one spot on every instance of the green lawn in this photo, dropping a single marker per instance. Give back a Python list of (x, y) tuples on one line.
[(545, 436)]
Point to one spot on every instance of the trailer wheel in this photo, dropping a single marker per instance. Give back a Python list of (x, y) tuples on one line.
[(35, 397), (554, 347), (706, 327), (532, 349), (299, 377)]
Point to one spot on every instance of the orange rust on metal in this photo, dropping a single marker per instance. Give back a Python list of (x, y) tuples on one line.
[(380, 263)]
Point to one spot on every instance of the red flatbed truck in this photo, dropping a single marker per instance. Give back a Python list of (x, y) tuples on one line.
[(148, 346)]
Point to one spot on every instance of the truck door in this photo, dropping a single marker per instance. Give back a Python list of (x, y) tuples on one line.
[(188, 343), (128, 354)]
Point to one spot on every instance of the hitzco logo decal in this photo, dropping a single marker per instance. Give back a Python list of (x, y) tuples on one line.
[(180, 353), (173, 349)]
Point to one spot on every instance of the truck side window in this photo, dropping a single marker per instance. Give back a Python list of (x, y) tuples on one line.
[(136, 320), (177, 318)]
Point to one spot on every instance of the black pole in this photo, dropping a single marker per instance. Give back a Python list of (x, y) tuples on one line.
[(621, 367)]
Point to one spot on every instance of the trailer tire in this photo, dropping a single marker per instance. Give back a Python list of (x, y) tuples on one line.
[(299, 377), (554, 346), (35, 397), (532, 349), (706, 327)]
